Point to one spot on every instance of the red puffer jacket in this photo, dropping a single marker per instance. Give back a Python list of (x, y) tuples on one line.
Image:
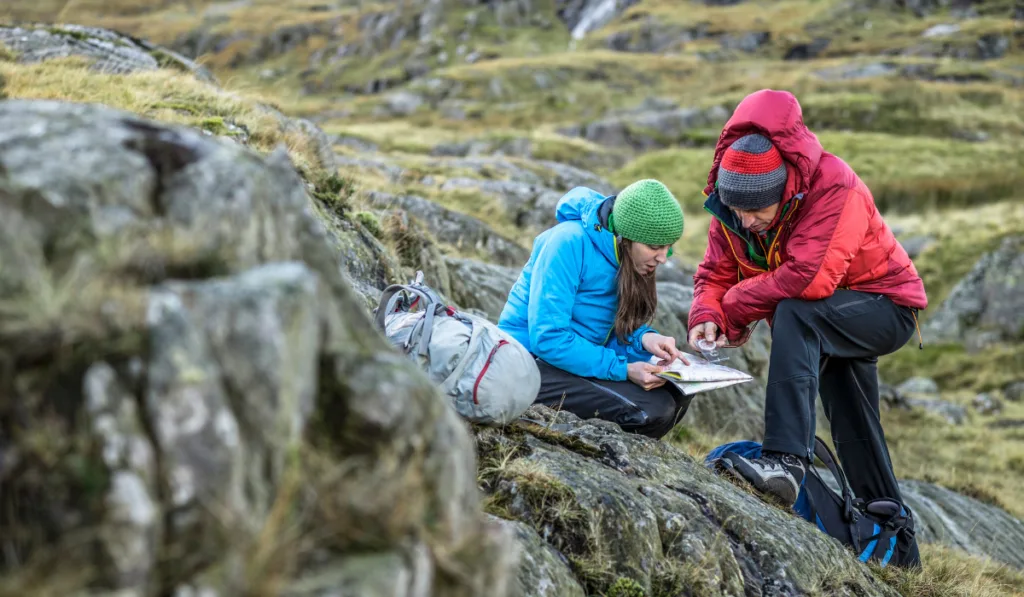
[(827, 234)]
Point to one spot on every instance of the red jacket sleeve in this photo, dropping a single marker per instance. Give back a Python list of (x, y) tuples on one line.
[(715, 275), (820, 250)]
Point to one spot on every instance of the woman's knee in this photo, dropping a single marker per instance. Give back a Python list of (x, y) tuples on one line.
[(663, 411)]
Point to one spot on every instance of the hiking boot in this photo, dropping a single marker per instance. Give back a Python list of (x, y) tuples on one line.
[(774, 473)]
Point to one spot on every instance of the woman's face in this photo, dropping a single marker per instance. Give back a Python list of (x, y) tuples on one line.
[(646, 258)]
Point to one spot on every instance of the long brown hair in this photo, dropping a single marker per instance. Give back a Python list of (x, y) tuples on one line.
[(638, 295)]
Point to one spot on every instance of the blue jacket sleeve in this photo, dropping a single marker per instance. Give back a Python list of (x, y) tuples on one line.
[(556, 277), (636, 351)]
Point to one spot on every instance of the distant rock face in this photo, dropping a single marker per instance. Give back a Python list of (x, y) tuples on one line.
[(111, 52), (627, 511), (652, 35), (187, 371), (648, 129), (987, 306)]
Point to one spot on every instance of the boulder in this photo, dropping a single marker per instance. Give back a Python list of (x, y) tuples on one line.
[(109, 52), (986, 306), (481, 286), (950, 518), (633, 515), (194, 399)]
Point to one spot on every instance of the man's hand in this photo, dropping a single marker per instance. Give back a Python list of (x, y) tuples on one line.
[(643, 375), (663, 347), (706, 331)]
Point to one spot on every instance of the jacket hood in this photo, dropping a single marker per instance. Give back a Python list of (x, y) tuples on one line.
[(584, 205), (778, 116)]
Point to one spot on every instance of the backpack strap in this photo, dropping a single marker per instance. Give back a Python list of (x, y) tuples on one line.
[(824, 454)]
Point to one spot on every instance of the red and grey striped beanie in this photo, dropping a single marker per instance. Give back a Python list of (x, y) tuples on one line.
[(752, 174)]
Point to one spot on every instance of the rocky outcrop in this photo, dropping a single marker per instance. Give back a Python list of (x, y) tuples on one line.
[(481, 286), (635, 516), (112, 52), (463, 232), (194, 401), (109, 52), (653, 35), (986, 306), (646, 129), (597, 507)]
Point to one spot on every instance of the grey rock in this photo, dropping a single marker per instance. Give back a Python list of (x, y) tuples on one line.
[(890, 397), (919, 387), (543, 570), (916, 245), (749, 42), (943, 516), (110, 52), (481, 286), (852, 72), (1014, 392), (649, 129), (807, 51), (676, 272), (941, 30), (987, 404), (986, 306), (949, 518), (620, 505), (454, 228), (402, 103), (527, 191), (218, 339), (655, 36), (954, 414)]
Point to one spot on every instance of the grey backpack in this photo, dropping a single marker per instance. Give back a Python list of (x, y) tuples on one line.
[(487, 374)]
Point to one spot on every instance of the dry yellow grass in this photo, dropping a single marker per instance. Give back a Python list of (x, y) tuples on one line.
[(165, 95), (952, 573)]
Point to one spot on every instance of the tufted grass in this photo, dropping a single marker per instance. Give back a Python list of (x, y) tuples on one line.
[(164, 95)]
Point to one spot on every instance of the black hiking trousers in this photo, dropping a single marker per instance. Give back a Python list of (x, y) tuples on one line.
[(831, 346), (645, 412)]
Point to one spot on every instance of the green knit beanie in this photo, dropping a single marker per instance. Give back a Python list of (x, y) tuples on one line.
[(646, 212)]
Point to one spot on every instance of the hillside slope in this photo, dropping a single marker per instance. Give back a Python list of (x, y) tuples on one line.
[(453, 127)]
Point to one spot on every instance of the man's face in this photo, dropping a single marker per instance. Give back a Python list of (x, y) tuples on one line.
[(757, 220), (646, 258)]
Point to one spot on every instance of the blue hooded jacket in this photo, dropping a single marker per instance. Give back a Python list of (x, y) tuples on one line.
[(562, 308)]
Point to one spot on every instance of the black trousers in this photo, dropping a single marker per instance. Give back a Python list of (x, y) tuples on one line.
[(832, 346), (646, 412)]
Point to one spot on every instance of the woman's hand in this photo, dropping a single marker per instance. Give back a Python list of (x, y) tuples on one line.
[(643, 375), (663, 347)]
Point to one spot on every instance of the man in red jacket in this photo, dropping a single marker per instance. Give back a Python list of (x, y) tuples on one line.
[(796, 240)]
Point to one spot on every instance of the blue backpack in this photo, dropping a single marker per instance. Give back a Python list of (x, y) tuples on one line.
[(879, 530)]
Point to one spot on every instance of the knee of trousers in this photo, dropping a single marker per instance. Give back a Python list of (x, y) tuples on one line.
[(790, 311), (661, 412)]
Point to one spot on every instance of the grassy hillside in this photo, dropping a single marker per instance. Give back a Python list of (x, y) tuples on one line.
[(924, 100)]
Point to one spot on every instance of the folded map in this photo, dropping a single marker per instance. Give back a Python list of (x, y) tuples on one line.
[(700, 375)]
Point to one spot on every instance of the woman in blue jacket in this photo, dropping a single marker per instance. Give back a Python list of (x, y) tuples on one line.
[(583, 301)]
